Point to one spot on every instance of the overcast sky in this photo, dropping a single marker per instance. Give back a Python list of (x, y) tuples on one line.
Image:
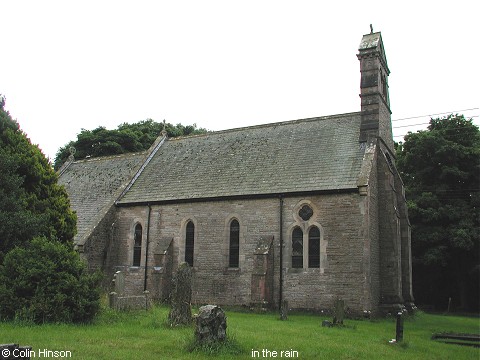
[(68, 65)]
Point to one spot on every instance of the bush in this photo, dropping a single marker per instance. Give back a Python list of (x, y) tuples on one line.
[(46, 281)]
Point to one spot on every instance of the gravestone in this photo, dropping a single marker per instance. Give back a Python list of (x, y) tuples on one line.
[(181, 313), (284, 310), (112, 300), (339, 312), (211, 324), (119, 279), (399, 328)]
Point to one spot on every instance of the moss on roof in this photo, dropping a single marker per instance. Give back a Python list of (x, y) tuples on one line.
[(302, 155)]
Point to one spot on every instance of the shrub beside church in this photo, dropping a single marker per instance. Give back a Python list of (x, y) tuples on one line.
[(42, 279)]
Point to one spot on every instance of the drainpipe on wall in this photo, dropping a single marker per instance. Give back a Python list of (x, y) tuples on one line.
[(280, 295), (146, 248)]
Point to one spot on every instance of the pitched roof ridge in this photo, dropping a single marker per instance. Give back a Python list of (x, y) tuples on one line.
[(151, 153), (254, 161), (259, 126), (107, 157)]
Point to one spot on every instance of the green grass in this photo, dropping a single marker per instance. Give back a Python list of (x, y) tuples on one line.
[(145, 335)]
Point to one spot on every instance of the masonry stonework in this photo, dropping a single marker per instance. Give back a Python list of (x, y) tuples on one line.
[(319, 204), (345, 250)]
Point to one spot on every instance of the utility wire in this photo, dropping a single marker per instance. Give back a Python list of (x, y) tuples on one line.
[(467, 117), (411, 132), (448, 112), (403, 126), (422, 124)]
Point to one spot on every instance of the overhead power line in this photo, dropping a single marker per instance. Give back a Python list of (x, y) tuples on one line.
[(411, 125), (443, 113), (423, 124), (417, 124)]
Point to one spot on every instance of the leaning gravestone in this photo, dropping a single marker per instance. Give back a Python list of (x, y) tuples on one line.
[(181, 313), (211, 324), (339, 312)]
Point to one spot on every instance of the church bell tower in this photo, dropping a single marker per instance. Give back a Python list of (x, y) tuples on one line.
[(376, 114)]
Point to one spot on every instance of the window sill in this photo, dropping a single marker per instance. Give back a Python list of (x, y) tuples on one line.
[(305, 270), (295, 270), (231, 270)]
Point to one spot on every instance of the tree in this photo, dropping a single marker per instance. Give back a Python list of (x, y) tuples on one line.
[(46, 281), (31, 201), (441, 171), (17, 222), (125, 139), (41, 277)]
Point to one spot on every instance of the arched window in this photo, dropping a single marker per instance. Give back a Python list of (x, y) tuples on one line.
[(189, 243), (297, 248), (234, 244), (137, 245), (314, 247)]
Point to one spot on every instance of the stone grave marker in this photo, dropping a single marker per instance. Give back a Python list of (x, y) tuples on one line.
[(284, 310), (339, 312), (211, 324), (119, 283), (181, 312), (399, 328)]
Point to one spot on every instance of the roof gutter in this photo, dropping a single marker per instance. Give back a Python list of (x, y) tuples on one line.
[(238, 197)]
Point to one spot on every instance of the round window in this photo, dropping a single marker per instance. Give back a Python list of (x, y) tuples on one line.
[(305, 212)]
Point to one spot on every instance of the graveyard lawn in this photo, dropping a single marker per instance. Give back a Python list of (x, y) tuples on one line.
[(146, 335)]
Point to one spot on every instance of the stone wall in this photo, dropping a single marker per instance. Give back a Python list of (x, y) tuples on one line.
[(339, 217), (96, 249), (341, 273), (373, 248), (389, 234), (213, 280), (406, 239)]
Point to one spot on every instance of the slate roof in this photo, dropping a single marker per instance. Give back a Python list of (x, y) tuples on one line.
[(296, 156), (93, 185)]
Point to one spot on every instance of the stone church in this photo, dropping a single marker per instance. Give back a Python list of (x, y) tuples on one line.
[(308, 211)]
